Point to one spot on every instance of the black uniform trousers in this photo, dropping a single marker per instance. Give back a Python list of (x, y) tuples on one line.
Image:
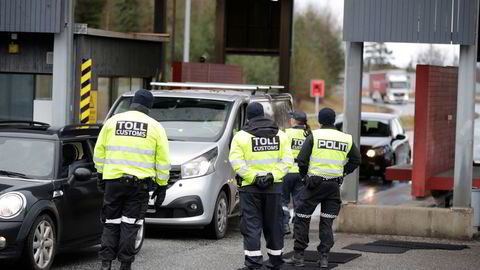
[(124, 208), (262, 211), (327, 193), (292, 185)]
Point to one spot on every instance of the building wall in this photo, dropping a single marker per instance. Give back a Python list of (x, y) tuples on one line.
[(435, 122), (32, 57), (39, 16), (422, 21), (115, 61)]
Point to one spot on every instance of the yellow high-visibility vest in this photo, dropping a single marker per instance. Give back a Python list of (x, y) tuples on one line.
[(297, 138), (133, 143), (250, 155), (329, 153)]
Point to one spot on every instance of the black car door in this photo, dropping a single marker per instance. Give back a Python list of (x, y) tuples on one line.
[(82, 199)]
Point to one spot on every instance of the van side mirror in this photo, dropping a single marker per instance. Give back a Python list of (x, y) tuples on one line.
[(400, 137)]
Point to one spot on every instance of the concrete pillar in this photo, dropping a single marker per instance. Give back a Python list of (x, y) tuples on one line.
[(352, 109), (186, 36), (220, 32), (462, 186), (285, 46), (63, 70)]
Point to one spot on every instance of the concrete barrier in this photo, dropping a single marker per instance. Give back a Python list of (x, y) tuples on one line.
[(453, 223)]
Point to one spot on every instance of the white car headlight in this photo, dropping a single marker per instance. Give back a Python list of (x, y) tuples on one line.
[(201, 165), (370, 153), (11, 204)]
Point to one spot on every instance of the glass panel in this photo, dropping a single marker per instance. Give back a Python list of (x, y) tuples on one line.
[(120, 86), (374, 128), (34, 158), (137, 83), (43, 87), (188, 119), (16, 96), (103, 98)]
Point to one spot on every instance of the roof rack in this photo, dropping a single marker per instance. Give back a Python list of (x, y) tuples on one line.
[(222, 86), (80, 129), (23, 124)]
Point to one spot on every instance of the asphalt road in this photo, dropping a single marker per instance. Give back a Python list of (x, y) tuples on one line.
[(185, 249)]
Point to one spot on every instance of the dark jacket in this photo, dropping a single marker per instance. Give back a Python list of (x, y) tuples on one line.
[(303, 157), (261, 127)]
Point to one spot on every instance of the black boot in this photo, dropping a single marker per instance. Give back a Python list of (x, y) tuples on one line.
[(296, 260), (323, 260), (106, 265), (126, 266)]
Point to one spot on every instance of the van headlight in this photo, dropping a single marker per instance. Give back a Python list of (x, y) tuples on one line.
[(201, 165), (11, 204)]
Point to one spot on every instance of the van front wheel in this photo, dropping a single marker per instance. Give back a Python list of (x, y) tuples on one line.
[(219, 224)]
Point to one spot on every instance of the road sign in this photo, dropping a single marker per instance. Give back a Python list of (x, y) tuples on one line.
[(317, 88)]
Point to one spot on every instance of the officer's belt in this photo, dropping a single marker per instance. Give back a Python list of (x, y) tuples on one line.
[(135, 181), (338, 180)]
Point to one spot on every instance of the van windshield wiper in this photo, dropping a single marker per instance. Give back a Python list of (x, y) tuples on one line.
[(10, 173)]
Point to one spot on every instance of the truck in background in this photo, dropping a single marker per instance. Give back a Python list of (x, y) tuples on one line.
[(389, 87)]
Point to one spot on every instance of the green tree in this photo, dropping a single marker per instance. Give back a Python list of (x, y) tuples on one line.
[(89, 12), (318, 52), (126, 16), (257, 69)]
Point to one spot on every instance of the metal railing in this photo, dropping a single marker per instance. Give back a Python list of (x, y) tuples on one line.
[(220, 86)]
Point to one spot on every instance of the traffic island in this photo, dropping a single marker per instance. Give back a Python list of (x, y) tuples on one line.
[(451, 223)]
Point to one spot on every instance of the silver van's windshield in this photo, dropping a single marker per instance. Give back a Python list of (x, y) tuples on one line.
[(187, 119)]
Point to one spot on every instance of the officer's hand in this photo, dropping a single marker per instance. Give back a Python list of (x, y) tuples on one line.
[(101, 183), (159, 196), (269, 178)]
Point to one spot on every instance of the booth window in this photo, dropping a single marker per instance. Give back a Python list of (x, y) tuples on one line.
[(43, 87)]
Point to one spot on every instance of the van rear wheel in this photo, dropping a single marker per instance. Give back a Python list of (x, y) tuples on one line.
[(219, 224)]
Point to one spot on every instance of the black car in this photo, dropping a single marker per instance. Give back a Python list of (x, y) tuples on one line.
[(383, 143), (49, 200)]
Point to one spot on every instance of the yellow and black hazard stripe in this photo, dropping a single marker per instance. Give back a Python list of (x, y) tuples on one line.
[(86, 87)]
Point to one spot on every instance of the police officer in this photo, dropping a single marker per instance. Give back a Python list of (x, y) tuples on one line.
[(132, 156), (292, 184), (325, 158), (261, 156)]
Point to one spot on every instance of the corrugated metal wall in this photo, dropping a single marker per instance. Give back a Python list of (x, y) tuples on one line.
[(39, 16), (32, 57), (422, 21), (120, 57)]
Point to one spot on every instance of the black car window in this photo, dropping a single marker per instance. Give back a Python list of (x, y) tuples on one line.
[(375, 128), (33, 158), (75, 154)]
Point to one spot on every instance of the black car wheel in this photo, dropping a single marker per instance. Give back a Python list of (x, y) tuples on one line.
[(41, 244), (139, 239), (219, 224)]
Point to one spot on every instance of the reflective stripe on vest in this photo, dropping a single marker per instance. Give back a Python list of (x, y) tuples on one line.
[(262, 155), (297, 138), (329, 152)]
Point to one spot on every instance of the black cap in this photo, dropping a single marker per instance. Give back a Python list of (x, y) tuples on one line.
[(143, 97), (299, 116), (326, 116), (254, 109)]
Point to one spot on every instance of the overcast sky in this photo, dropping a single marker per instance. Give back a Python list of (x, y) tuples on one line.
[(402, 52)]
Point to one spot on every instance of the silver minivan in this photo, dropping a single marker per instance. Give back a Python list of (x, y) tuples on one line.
[(200, 120)]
